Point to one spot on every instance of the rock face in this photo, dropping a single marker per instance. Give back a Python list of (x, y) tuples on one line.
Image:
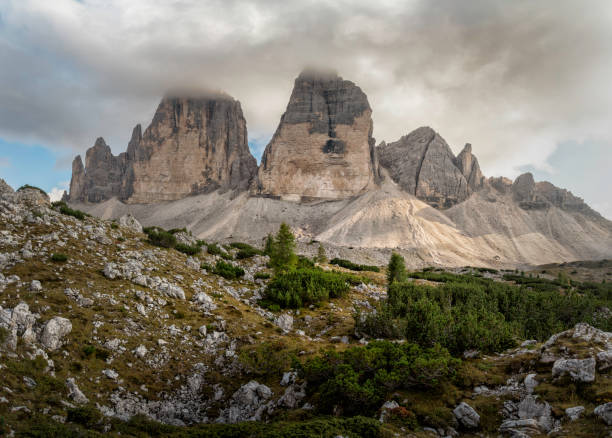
[(423, 164), (193, 145), (323, 146)]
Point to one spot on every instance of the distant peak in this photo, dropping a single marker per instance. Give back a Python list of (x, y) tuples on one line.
[(100, 143), (467, 148)]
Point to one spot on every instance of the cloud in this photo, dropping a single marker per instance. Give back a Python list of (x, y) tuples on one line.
[(56, 193), (514, 78)]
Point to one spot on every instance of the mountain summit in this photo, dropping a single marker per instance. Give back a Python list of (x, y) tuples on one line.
[(193, 145)]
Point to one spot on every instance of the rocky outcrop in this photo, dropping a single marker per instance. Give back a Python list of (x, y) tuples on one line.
[(193, 145), (423, 164), (532, 195), (323, 146)]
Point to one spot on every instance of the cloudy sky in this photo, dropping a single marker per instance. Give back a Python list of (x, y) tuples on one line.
[(526, 82)]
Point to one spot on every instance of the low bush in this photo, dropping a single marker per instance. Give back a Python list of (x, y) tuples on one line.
[(262, 275), (188, 249), (353, 266), (358, 380), (227, 270), (302, 287), (28, 186), (65, 210), (59, 257), (160, 237), (468, 312)]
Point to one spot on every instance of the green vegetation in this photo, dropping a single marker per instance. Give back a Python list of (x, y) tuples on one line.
[(227, 270), (59, 257), (83, 422), (188, 249), (302, 287), (357, 381), (160, 237), (245, 251), (281, 250), (353, 266), (471, 312), (261, 275), (321, 255), (396, 270), (213, 249), (64, 209), (28, 186), (267, 360)]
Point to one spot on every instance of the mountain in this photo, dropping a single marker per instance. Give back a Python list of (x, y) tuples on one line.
[(322, 174), (193, 145), (323, 147)]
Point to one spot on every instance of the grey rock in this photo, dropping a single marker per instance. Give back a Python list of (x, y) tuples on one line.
[(530, 383), (54, 331), (130, 222), (581, 370), (35, 286), (111, 374), (385, 408), (520, 428), (604, 412), (530, 408), (423, 164), (74, 393), (574, 413), (246, 404), (466, 415), (284, 321)]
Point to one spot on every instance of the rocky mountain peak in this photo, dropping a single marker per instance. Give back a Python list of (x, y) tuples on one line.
[(423, 164), (193, 145), (323, 146)]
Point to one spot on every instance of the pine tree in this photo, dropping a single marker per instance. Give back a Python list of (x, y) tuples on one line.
[(282, 257), (396, 270), (321, 256), (269, 245)]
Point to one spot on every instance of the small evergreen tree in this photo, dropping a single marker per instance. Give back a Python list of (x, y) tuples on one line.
[(282, 257), (269, 245), (396, 270), (321, 256)]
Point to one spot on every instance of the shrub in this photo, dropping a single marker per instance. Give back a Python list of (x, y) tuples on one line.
[(188, 249), (245, 251), (468, 312), (321, 255), (3, 335), (304, 262), (353, 266), (261, 275), (227, 270), (396, 270), (206, 266), (302, 287), (358, 380), (59, 257), (64, 209), (28, 186), (160, 237), (87, 416)]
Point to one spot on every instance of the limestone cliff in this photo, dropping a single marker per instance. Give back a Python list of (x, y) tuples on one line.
[(423, 164), (323, 146), (193, 145)]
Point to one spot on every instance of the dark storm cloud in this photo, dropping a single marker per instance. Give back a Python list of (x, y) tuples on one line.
[(515, 78)]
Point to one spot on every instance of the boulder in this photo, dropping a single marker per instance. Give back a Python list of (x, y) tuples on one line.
[(246, 404), (54, 331), (467, 416), (284, 321), (604, 412), (574, 413), (128, 221), (74, 393), (580, 370)]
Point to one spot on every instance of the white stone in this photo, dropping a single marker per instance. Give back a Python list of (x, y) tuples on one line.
[(466, 415), (54, 331)]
